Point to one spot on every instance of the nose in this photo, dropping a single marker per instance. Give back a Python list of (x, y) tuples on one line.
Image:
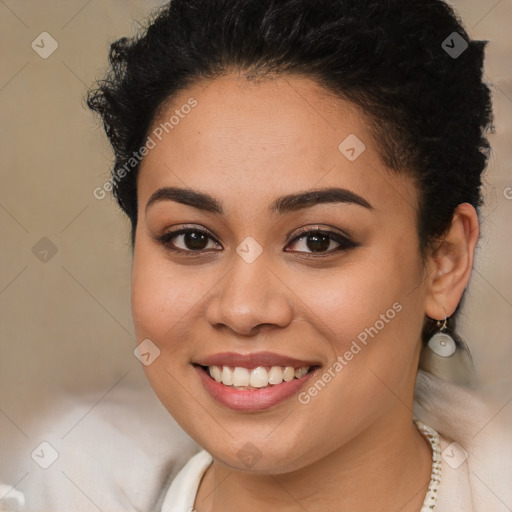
[(250, 298)]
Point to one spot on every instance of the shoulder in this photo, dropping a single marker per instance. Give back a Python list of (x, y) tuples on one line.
[(112, 450), (476, 445)]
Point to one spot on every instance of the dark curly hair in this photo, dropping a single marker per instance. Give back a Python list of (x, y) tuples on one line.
[(429, 106)]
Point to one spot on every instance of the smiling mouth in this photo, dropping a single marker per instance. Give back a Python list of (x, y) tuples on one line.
[(259, 377)]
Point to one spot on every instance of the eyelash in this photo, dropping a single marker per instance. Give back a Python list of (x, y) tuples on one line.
[(345, 242)]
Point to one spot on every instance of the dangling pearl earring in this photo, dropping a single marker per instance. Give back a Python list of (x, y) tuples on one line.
[(447, 356), (441, 343)]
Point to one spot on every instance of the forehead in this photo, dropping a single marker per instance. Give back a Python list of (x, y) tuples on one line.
[(287, 115), (253, 140)]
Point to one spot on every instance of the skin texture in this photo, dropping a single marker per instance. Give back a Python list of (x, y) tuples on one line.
[(353, 446)]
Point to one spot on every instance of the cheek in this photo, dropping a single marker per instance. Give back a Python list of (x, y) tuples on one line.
[(161, 297), (371, 315), (344, 304)]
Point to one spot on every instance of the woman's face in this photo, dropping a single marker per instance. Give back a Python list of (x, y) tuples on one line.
[(239, 170)]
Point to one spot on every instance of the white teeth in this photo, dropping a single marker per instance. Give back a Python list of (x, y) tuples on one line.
[(288, 374), (300, 372), (275, 375), (259, 377), (227, 376), (240, 377), (215, 373)]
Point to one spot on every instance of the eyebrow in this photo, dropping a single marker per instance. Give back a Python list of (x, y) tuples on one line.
[(284, 204)]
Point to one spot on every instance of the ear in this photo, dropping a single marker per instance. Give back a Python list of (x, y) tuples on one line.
[(450, 268)]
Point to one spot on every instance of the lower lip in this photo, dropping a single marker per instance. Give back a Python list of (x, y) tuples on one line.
[(252, 399)]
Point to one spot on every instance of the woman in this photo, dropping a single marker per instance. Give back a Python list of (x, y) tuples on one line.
[(303, 182)]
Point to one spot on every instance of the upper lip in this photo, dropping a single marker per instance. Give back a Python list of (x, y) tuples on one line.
[(253, 360)]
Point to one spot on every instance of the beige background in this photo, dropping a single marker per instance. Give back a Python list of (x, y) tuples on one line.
[(65, 324)]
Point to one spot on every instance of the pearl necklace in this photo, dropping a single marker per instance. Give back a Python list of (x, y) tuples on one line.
[(435, 476)]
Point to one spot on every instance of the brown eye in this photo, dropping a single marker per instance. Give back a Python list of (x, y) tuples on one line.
[(187, 240), (320, 241), (195, 240)]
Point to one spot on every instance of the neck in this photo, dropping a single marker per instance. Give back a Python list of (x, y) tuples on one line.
[(386, 467)]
